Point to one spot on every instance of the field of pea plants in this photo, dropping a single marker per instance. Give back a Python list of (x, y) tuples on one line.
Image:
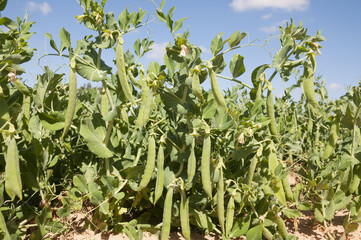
[(151, 151)]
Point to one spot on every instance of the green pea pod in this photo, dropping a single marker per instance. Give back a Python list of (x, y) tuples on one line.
[(206, 165), (271, 113), (149, 166), (167, 214), (308, 88), (145, 107), (133, 80), (13, 185), (287, 188), (196, 87), (230, 215), (104, 104), (252, 169), (120, 64), (159, 185), (332, 139), (266, 233), (220, 198), (356, 178), (281, 227), (26, 109), (184, 215), (217, 93), (21, 87), (72, 98), (191, 167)]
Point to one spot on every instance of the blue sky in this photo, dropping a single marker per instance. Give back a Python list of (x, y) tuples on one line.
[(339, 21)]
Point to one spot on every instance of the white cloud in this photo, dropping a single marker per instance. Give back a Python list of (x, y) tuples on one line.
[(336, 87), (273, 28), (288, 5), (267, 16), (44, 7), (157, 52)]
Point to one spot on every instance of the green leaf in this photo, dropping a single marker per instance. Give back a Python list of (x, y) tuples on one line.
[(80, 183), (217, 44), (87, 69), (65, 39), (2, 7), (161, 16), (3, 227), (237, 66), (178, 24), (319, 215), (236, 38), (292, 213), (351, 227), (330, 211), (210, 110), (123, 20), (255, 233), (240, 226), (53, 121), (95, 195), (94, 142)]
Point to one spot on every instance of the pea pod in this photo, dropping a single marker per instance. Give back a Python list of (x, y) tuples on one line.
[(252, 169), (21, 87), (120, 64), (72, 98), (281, 226), (287, 188), (196, 87), (159, 185), (230, 215), (104, 104), (167, 214), (271, 113), (220, 197), (206, 164), (191, 167), (13, 185), (356, 178), (332, 139), (26, 108), (145, 107), (149, 166), (184, 214), (266, 233), (308, 88), (217, 93)]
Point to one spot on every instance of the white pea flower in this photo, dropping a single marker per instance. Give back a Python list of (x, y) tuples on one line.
[(184, 51), (11, 76)]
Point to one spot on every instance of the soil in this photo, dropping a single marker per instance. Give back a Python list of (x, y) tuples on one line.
[(305, 228)]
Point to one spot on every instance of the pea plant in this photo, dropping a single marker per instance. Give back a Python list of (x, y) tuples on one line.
[(152, 150)]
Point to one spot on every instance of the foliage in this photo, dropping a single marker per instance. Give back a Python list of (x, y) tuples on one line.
[(152, 150)]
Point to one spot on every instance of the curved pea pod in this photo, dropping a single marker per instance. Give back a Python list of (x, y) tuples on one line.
[(266, 233), (356, 178), (159, 185), (184, 215), (72, 98), (191, 167), (332, 140), (167, 214), (251, 170), (196, 87), (133, 80), (281, 227), (21, 87), (287, 188), (230, 215), (120, 64), (149, 166), (13, 185), (271, 113), (217, 93), (145, 107), (206, 165), (308, 88), (220, 197)]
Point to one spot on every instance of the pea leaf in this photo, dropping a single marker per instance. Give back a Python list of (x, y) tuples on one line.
[(237, 66), (255, 233), (217, 44)]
